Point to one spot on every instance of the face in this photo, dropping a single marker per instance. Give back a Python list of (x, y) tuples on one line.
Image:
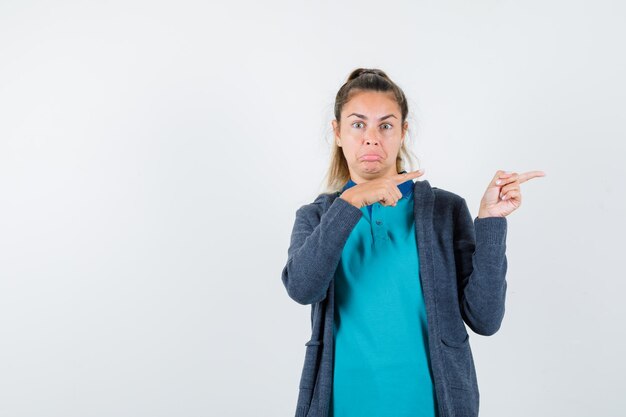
[(370, 134)]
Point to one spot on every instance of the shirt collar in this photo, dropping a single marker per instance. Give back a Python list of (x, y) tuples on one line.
[(406, 188)]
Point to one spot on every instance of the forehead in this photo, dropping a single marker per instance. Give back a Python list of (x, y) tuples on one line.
[(371, 103)]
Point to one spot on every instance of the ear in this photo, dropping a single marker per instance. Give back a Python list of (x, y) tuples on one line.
[(336, 132)]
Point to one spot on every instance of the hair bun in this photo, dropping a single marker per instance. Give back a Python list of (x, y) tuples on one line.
[(361, 71)]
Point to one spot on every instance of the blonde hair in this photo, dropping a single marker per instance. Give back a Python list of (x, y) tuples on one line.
[(365, 79)]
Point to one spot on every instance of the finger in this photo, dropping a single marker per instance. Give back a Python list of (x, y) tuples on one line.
[(388, 198), (384, 198), (393, 197), (397, 193), (512, 195), (400, 178), (499, 174), (393, 192), (506, 189), (507, 179), (529, 175)]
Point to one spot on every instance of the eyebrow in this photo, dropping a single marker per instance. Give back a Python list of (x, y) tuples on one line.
[(363, 117)]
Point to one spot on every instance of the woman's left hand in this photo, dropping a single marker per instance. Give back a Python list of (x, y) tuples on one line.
[(503, 194)]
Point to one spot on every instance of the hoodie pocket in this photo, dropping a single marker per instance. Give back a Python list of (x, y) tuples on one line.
[(455, 343), (458, 362)]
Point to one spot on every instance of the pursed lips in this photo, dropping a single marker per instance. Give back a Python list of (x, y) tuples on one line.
[(371, 157)]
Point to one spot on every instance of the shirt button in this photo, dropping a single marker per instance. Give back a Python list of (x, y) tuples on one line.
[(378, 222)]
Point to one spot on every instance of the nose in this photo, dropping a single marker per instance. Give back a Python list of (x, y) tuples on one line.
[(370, 137)]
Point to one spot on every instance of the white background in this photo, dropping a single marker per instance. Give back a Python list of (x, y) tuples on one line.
[(153, 155)]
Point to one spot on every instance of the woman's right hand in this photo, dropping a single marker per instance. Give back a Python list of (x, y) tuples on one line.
[(384, 190)]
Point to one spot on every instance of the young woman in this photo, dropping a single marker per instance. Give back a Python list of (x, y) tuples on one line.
[(393, 270)]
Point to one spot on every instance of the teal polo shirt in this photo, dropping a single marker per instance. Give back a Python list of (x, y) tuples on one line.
[(381, 361)]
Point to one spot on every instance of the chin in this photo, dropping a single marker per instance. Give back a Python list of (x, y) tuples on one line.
[(372, 172)]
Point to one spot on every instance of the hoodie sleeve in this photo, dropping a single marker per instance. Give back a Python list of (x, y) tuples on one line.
[(479, 248), (315, 249)]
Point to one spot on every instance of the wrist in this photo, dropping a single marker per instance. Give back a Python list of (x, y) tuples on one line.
[(349, 200), (486, 215), (483, 214)]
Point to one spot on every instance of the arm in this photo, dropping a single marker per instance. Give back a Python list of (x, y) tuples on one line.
[(481, 264), (314, 252)]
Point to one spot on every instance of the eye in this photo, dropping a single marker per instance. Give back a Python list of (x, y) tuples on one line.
[(357, 123), (387, 124)]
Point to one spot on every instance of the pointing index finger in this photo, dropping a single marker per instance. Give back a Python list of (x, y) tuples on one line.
[(400, 178), (530, 175)]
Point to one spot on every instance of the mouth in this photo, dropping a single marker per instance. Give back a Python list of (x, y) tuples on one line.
[(371, 157)]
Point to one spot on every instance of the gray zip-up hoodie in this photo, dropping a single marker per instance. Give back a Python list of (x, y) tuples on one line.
[(462, 271)]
